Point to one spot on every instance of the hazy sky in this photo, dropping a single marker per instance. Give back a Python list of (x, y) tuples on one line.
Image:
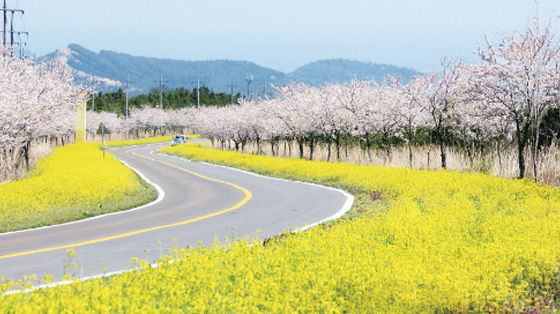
[(280, 34)]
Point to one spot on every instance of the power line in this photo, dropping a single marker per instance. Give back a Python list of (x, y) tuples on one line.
[(12, 32)]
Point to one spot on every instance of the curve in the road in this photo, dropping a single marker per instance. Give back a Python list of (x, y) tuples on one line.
[(251, 202), (248, 196)]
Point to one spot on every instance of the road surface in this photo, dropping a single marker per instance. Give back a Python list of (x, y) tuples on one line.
[(198, 204)]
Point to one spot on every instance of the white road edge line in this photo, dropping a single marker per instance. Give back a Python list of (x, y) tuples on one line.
[(160, 192), (345, 208)]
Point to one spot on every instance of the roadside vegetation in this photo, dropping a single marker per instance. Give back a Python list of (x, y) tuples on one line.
[(416, 242), (74, 182)]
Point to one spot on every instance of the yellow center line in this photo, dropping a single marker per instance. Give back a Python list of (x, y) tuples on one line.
[(247, 197)]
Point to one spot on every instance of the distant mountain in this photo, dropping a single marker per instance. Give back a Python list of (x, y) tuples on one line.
[(112, 69), (343, 70)]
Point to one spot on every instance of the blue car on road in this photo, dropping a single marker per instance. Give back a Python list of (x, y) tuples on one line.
[(179, 139)]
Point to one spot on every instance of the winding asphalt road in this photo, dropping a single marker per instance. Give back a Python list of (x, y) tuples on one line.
[(198, 204)]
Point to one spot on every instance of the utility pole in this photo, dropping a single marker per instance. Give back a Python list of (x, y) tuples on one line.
[(11, 31), (93, 81), (231, 91), (249, 79), (128, 83), (198, 91), (264, 90), (161, 91), (5, 23)]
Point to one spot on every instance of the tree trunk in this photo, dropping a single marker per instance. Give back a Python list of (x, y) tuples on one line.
[(470, 152), (536, 152), (368, 147), (388, 153), (499, 150), (26, 154), (329, 148), (409, 154), (441, 138), (521, 159), (346, 136), (311, 147), (3, 164), (300, 142), (337, 139), (521, 143), (443, 156)]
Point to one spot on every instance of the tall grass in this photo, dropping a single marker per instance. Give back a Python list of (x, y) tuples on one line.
[(499, 163)]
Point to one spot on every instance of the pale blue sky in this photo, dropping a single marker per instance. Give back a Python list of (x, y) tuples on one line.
[(280, 34)]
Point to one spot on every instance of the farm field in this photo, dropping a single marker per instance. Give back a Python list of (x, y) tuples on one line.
[(416, 242)]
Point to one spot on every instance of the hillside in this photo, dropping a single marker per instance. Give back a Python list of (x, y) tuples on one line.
[(111, 70), (342, 70)]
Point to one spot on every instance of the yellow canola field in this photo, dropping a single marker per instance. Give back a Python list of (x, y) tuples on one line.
[(73, 178), (447, 240), (441, 242)]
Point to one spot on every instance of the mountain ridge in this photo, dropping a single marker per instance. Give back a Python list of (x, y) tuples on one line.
[(113, 69), (317, 72)]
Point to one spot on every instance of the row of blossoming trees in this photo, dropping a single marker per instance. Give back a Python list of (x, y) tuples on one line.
[(40, 102), (501, 100), (35, 101)]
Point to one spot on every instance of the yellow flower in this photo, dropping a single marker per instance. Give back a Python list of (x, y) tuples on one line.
[(437, 242)]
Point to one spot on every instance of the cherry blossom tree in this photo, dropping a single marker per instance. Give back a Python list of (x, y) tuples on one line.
[(362, 117), (294, 108), (35, 101), (148, 118), (259, 122), (271, 128), (181, 118), (519, 81), (111, 121), (439, 99), (407, 111), (334, 117)]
